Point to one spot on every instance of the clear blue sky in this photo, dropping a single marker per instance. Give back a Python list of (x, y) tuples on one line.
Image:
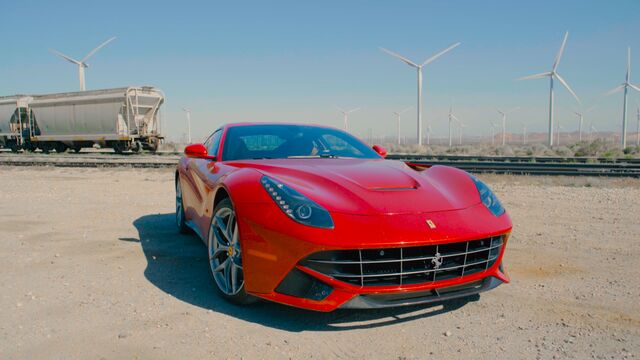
[(294, 60)]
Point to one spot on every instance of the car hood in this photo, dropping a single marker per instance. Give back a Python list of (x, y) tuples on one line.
[(372, 186)]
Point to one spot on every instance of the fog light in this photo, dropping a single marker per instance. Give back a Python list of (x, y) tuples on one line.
[(299, 284)]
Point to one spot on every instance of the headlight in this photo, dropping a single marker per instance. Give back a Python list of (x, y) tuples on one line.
[(488, 198), (297, 206)]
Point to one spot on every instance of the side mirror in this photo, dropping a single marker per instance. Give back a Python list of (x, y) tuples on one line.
[(197, 151), (380, 150)]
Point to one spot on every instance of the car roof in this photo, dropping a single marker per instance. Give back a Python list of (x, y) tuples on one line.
[(230, 125)]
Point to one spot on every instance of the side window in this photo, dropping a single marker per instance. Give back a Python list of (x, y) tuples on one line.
[(213, 143)]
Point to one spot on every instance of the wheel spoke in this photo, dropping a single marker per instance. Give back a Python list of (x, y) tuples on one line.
[(222, 265), (227, 274), (223, 229), (234, 276), (230, 224), (234, 236), (216, 252)]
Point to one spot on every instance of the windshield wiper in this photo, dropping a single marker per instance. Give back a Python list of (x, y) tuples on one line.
[(303, 157), (321, 156)]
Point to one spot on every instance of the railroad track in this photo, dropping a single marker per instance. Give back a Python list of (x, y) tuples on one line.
[(478, 164)]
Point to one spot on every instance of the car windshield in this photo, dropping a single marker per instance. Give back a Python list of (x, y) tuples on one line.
[(292, 141)]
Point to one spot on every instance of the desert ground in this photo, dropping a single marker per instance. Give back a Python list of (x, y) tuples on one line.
[(93, 267)]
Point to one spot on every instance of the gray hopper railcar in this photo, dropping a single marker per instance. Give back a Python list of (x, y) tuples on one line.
[(125, 119)]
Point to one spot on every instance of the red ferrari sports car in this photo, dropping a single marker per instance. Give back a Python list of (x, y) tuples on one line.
[(310, 216)]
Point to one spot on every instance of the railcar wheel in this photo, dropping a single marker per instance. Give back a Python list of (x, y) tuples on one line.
[(46, 147), (60, 148), (180, 218), (225, 254), (120, 146)]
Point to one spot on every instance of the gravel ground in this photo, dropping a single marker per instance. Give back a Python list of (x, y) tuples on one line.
[(93, 267)]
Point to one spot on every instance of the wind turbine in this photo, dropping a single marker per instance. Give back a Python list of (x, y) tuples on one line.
[(460, 126), (493, 133), (504, 122), (188, 112), (82, 64), (638, 126), (452, 118), (581, 121), (428, 134), (560, 127), (524, 134), (419, 70), (625, 86), (553, 74), (398, 114), (346, 116), (591, 130)]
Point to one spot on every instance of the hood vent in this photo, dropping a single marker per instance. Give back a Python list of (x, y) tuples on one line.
[(393, 188)]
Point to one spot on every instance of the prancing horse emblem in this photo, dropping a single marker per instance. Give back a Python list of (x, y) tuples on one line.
[(437, 261)]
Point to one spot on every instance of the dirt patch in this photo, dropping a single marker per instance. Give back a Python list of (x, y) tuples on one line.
[(95, 268)]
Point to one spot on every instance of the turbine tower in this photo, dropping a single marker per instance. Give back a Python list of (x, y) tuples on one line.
[(580, 115), (524, 134), (625, 86), (452, 118), (188, 112), (553, 74), (346, 113), (591, 130), (638, 125), (398, 114), (493, 133), (560, 127), (504, 122), (460, 126), (82, 64), (419, 70)]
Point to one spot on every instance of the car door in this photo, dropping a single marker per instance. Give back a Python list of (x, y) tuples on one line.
[(205, 174)]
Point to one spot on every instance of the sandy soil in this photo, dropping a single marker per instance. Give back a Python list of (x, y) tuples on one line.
[(93, 267)]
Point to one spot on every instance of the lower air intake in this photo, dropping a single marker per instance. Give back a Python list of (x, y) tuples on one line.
[(407, 265)]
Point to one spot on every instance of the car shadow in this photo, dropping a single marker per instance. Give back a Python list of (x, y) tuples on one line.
[(177, 264)]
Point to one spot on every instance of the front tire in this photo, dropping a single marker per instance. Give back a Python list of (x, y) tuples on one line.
[(225, 254), (180, 218)]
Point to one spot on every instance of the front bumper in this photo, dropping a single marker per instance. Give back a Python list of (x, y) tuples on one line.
[(274, 246)]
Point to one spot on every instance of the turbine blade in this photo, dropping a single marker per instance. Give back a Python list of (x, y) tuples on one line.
[(628, 63), (454, 117), (407, 61), (92, 52), (406, 109), (615, 90), (500, 111), (634, 87), (559, 56), (564, 83), (69, 59), (535, 76), (353, 110), (431, 59)]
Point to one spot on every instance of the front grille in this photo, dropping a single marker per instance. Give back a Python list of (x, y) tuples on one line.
[(407, 265)]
